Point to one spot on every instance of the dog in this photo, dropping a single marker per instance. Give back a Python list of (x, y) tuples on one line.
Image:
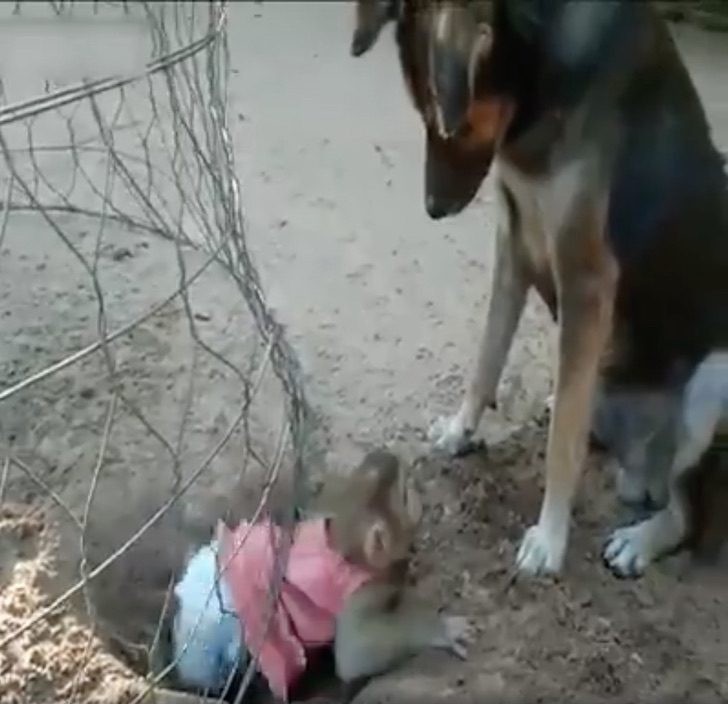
[(614, 207)]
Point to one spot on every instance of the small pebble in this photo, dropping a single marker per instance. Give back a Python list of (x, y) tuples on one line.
[(121, 253)]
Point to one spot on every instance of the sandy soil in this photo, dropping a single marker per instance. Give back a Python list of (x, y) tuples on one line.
[(384, 308)]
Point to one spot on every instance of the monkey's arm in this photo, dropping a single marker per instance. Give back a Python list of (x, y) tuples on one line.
[(381, 626)]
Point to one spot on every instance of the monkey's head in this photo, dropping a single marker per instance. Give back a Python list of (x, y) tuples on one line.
[(377, 515)]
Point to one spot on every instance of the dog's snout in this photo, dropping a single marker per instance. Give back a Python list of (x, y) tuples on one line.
[(435, 208), (362, 42)]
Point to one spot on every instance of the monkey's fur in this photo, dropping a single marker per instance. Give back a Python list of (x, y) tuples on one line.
[(383, 623)]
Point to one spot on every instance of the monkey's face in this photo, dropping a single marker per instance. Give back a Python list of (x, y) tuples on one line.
[(377, 513), (395, 512)]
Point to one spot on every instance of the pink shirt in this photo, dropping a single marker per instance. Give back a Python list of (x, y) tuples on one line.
[(317, 583)]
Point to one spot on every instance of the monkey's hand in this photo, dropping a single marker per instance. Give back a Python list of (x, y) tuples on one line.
[(459, 634)]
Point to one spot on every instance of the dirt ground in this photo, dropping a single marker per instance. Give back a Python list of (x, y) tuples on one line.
[(385, 308)]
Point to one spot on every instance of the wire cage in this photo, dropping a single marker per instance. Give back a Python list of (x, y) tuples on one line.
[(142, 374)]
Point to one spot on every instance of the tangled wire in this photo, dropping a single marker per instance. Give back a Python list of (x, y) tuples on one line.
[(137, 341)]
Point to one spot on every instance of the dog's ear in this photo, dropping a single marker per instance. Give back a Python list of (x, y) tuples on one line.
[(458, 44), (371, 16)]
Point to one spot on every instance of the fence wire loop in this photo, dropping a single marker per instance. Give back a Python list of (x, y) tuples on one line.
[(95, 175)]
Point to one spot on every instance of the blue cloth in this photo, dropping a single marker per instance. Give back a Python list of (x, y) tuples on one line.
[(207, 635)]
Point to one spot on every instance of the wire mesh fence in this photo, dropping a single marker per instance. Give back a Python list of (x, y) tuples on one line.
[(139, 361)]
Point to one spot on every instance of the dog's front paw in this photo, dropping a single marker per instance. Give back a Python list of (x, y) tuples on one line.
[(627, 550), (460, 634), (450, 435), (541, 552)]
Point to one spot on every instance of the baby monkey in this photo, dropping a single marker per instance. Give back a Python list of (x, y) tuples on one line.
[(345, 585)]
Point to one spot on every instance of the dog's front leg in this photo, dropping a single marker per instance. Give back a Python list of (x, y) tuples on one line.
[(454, 434), (586, 276)]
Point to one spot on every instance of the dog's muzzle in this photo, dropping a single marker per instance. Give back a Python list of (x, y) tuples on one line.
[(437, 209)]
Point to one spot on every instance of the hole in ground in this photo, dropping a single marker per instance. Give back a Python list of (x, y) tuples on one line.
[(129, 598)]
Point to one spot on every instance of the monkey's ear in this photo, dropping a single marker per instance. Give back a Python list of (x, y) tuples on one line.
[(378, 544), (371, 16), (458, 46)]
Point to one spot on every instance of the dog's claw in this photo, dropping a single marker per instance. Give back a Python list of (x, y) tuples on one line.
[(548, 403), (622, 553)]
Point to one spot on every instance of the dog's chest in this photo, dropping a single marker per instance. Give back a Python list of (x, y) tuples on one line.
[(543, 206)]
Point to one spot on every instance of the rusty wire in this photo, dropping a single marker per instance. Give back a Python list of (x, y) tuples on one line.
[(144, 154)]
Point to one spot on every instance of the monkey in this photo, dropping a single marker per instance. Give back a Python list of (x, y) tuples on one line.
[(383, 623), (345, 586)]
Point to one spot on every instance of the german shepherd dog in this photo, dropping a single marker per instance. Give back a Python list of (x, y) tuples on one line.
[(614, 207)]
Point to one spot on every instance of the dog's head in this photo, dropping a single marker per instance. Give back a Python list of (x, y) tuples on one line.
[(445, 48), (469, 63)]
